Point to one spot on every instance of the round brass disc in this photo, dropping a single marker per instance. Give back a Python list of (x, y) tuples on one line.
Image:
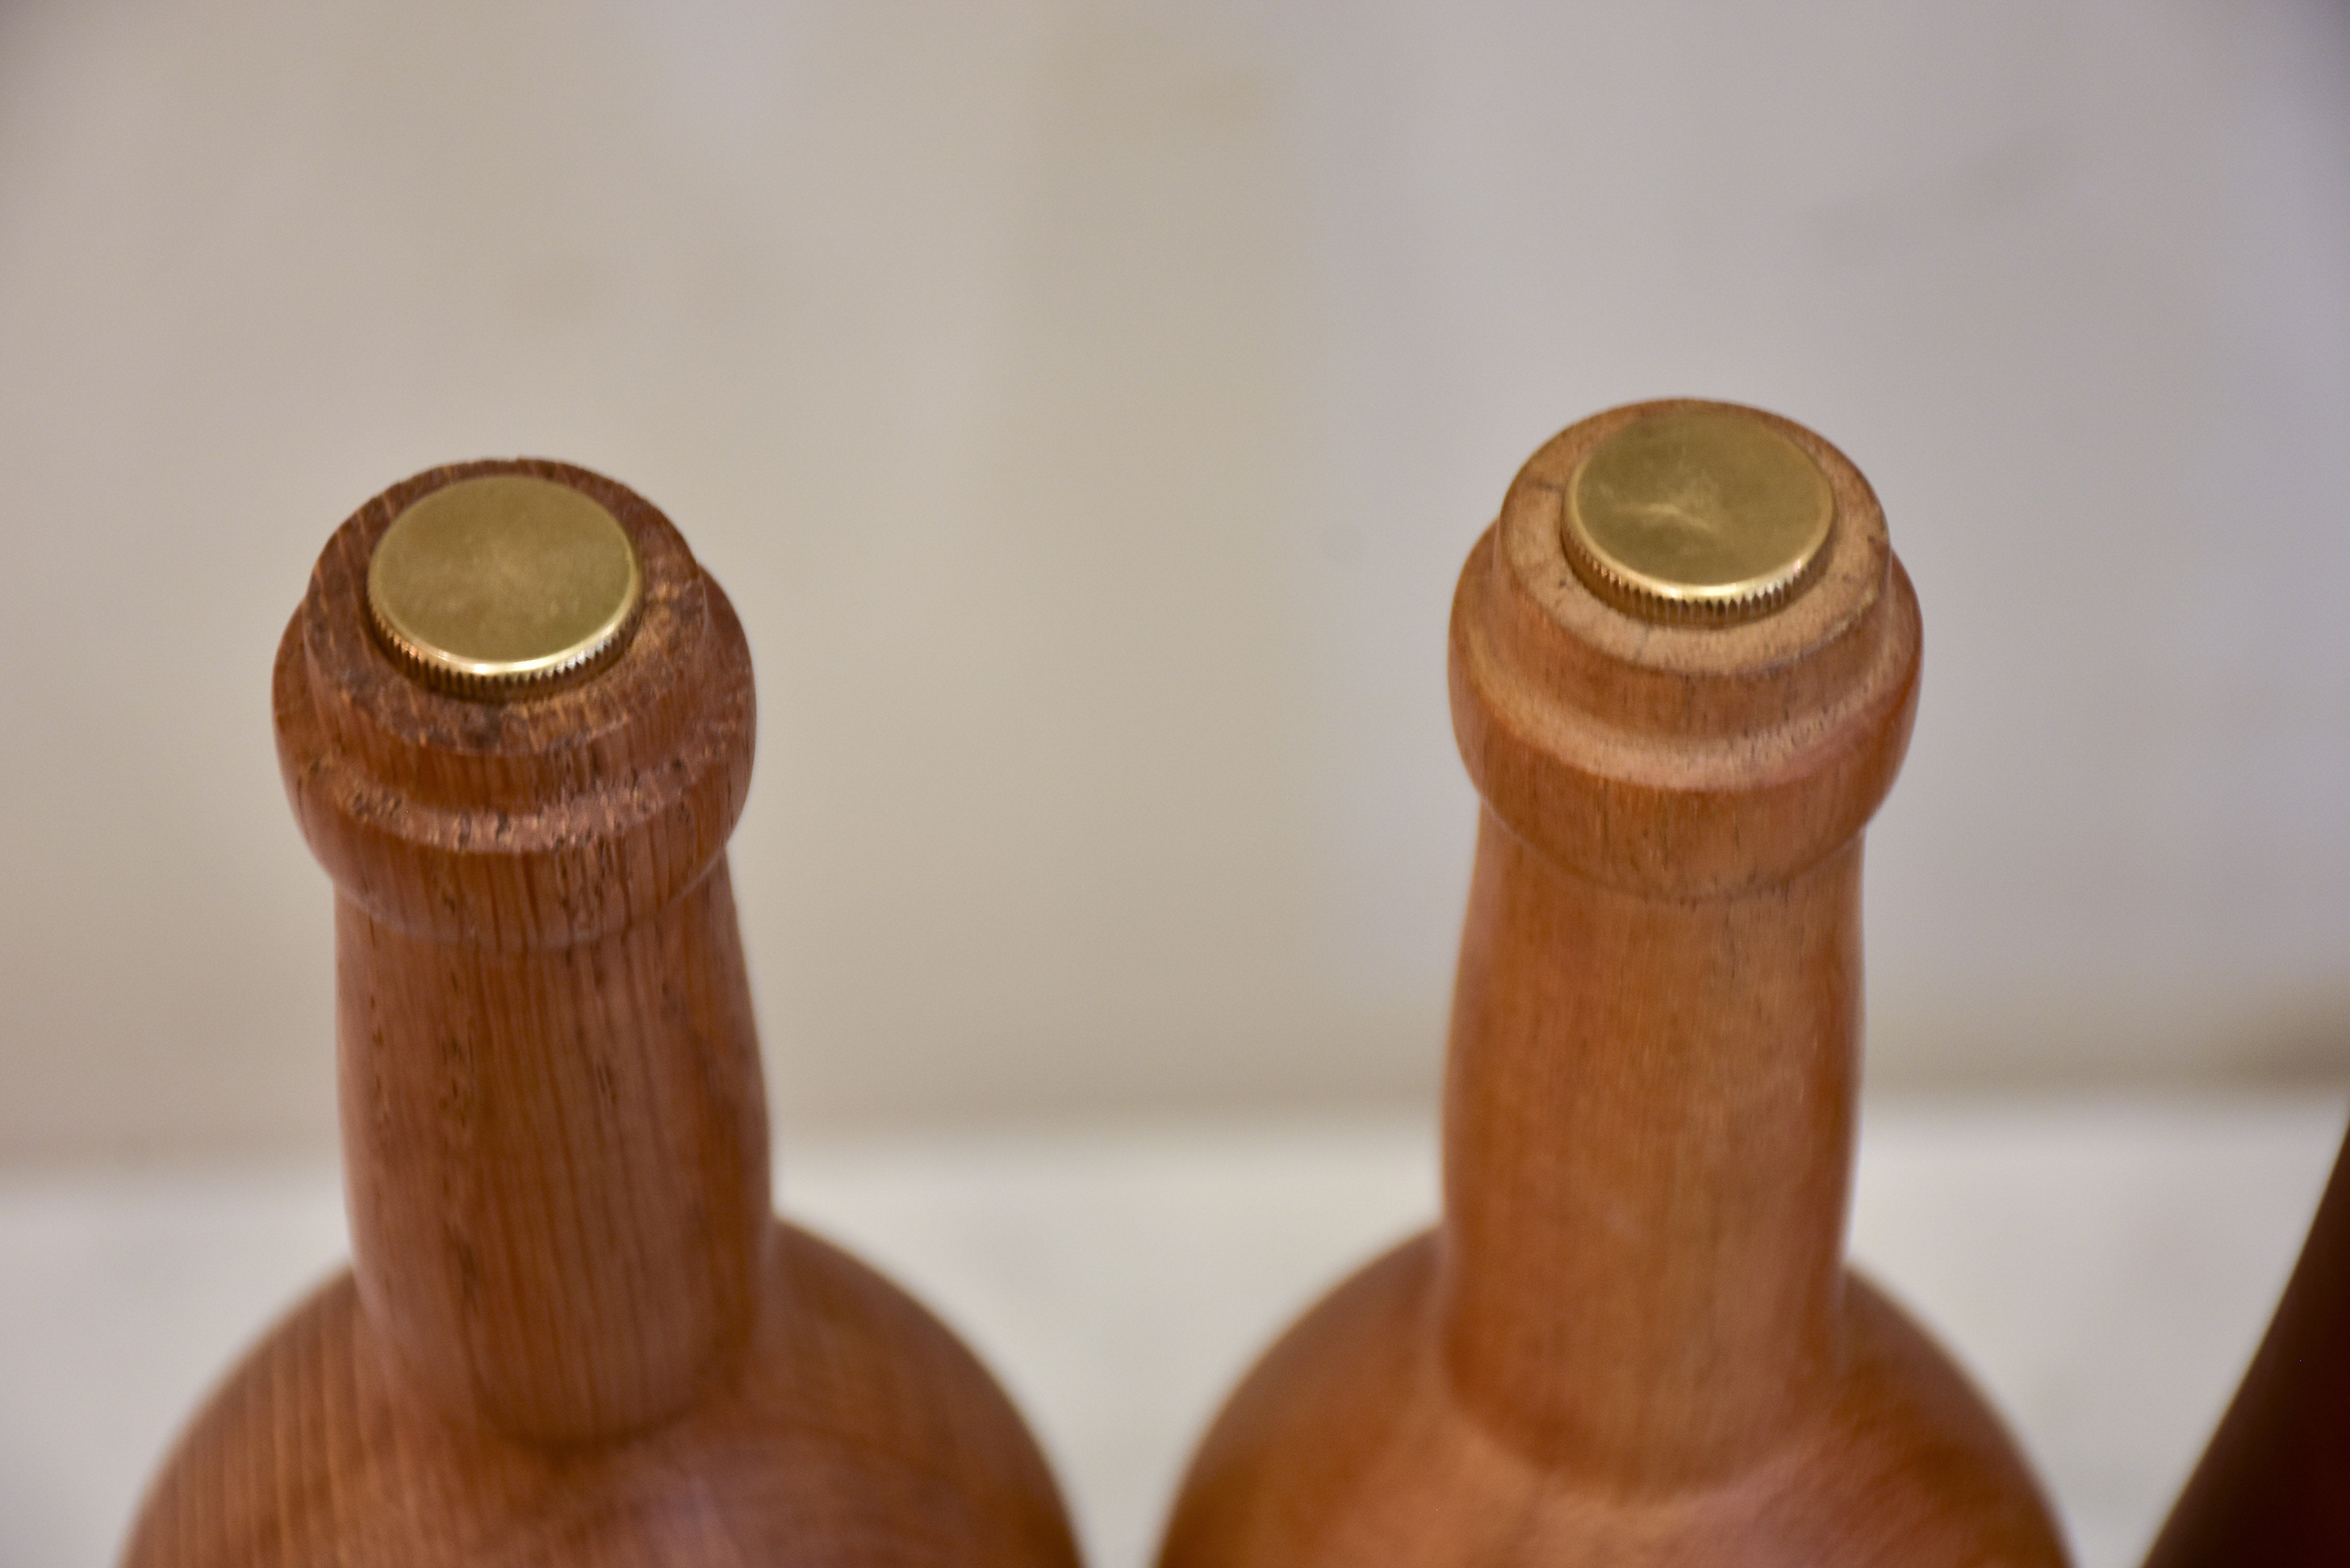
[(1697, 513), (491, 586)]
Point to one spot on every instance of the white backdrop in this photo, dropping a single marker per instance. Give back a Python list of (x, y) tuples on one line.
[(1088, 405)]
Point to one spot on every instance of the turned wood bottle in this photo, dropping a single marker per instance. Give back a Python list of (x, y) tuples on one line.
[(2273, 1487), (515, 719), (1684, 665)]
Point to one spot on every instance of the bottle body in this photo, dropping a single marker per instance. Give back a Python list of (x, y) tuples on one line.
[(2273, 1485), (575, 1330), (1632, 1338)]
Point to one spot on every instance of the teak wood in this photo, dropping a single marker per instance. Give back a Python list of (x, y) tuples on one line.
[(1633, 1340), (2273, 1487), (573, 1331)]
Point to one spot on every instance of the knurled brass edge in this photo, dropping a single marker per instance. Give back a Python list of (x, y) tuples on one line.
[(1635, 598), (508, 686)]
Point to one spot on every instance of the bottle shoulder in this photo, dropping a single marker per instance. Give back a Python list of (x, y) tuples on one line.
[(1347, 1445), (853, 1417)]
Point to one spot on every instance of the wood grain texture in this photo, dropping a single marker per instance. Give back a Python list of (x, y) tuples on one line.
[(2273, 1487), (1633, 1340), (573, 1331)]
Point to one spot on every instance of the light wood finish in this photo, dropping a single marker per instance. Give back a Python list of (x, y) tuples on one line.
[(1633, 1340), (573, 1331), (2273, 1488)]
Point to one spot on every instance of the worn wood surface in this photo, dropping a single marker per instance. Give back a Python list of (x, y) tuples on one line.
[(573, 1331), (2273, 1487), (1632, 1340)]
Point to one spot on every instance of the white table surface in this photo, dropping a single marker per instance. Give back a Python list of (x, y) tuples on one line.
[(2105, 1268)]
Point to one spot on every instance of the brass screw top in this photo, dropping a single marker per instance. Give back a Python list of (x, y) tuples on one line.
[(493, 588), (1705, 513)]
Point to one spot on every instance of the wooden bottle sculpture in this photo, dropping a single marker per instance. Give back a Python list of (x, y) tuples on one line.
[(515, 718), (1684, 664), (2273, 1488)]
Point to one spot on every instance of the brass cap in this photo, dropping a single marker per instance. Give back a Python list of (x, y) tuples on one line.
[(1707, 514), (498, 586)]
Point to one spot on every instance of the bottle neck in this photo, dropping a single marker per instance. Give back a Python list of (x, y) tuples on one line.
[(1648, 1126), (557, 1163)]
